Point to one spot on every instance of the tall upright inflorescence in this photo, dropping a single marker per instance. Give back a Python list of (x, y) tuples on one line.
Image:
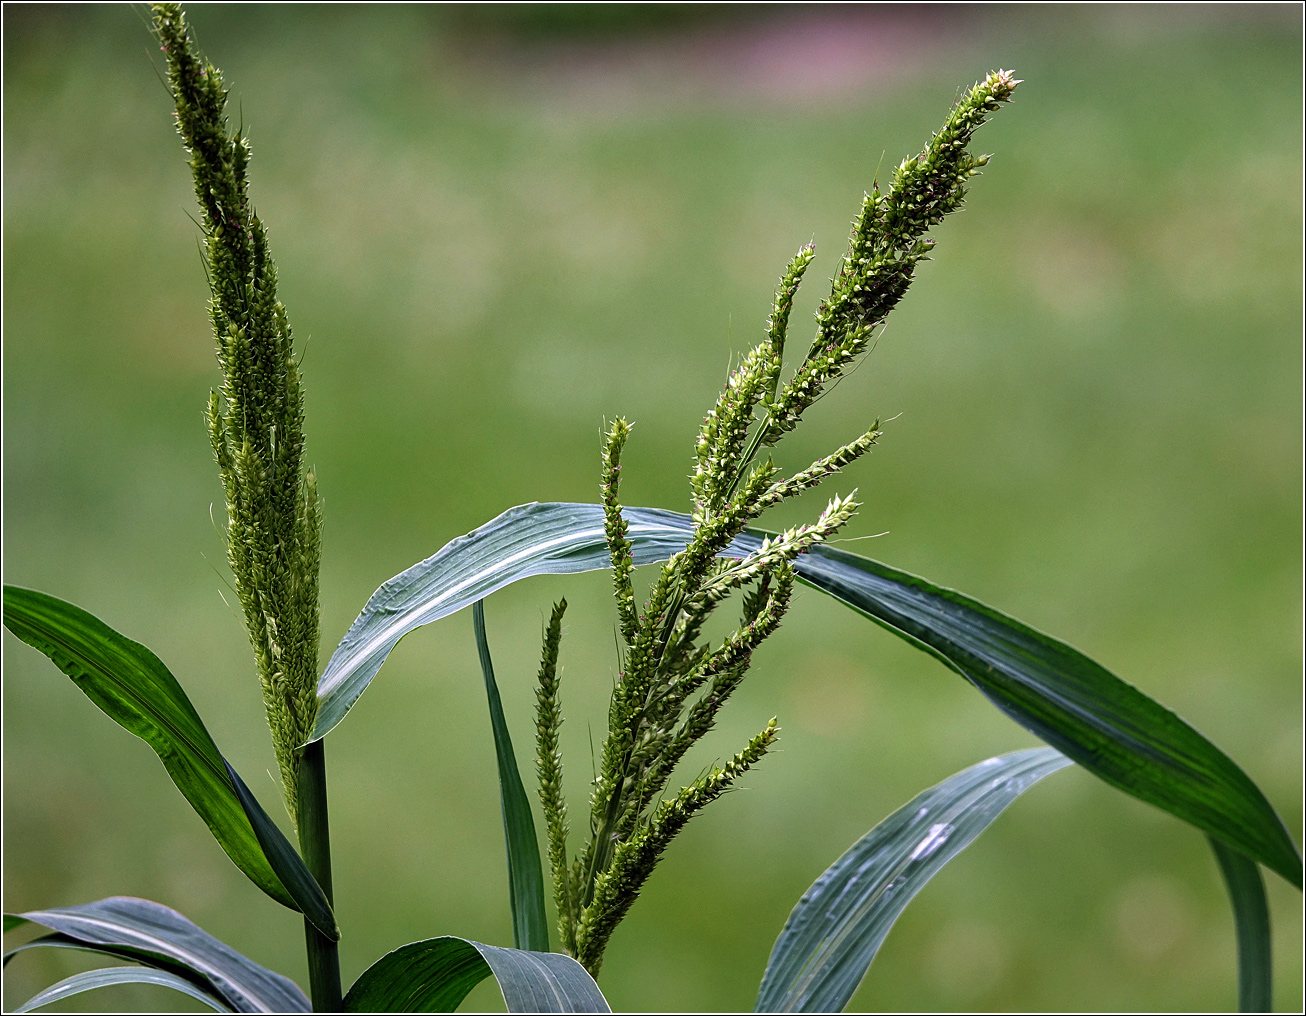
[(256, 418), (672, 683)]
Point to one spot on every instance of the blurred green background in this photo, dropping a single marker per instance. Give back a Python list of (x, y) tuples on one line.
[(496, 227)]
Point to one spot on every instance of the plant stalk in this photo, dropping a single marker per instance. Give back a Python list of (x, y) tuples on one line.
[(315, 846)]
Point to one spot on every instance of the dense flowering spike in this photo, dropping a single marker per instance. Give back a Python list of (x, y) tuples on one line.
[(256, 418), (548, 767), (614, 527), (819, 470), (721, 442), (777, 326), (724, 669)]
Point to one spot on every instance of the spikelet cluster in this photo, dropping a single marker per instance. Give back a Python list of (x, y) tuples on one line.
[(673, 683), (256, 418), (887, 244)]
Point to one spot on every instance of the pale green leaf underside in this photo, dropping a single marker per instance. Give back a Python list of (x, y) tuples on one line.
[(92, 979), (150, 933), (435, 976), (1076, 705), (834, 932)]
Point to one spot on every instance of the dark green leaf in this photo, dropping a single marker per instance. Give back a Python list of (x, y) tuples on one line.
[(148, 932), (136, 690), (530, 925), (286, 862), (837, 927), (1252, 919), (431, 976), (435, 976), (117, 975), (1076, 705)]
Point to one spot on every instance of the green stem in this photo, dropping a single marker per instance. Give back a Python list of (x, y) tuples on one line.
[(315, 845)]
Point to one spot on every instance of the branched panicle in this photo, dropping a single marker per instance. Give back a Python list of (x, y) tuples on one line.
[(673, 683), (548, 766), (256, 418)]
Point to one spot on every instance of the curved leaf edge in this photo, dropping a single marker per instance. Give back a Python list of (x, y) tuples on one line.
[(89, 980), (530, 923), (835, 930), (1251, 914), (436, 974), (143, 957), (286, 861), (184, 949), (1278, 851)]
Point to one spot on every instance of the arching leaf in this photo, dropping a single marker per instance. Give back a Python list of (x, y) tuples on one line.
[(1078, 706), (90, 979), (150, 933), (836, 929), (435, 975)]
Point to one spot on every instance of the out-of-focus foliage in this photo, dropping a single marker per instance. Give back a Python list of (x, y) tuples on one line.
[(490, 235)]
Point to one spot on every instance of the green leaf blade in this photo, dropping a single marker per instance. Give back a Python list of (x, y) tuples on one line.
[(1078, 706), (134, 688), (1252, 922), (531, 539), (836, 929), (1070, 701), (91, 979), (530, 923), (58, 940), (290, 868), (435, 975), (148, 932)]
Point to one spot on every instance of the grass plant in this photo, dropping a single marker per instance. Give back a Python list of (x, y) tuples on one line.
[(673, 678)]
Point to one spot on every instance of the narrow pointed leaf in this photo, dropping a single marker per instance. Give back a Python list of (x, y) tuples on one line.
[(117, 975), (838, 926), (435, 976), (131, 685), (530, 924), (1076, 705), (150, 933), (1073, 703), (1252, 921), (286, 862)]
